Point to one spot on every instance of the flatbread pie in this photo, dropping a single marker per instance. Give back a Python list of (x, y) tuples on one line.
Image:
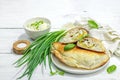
[(91, 43), (78, 57), (74, 34)]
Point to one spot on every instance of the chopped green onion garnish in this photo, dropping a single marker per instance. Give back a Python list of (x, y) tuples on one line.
[(61, 73), (57, 72), (37, 24), (53, 73)]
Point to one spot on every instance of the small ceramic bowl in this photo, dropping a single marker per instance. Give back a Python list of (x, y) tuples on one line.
[(32, 33)]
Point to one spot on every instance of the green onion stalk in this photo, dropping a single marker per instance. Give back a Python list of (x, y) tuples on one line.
[(37, 52)]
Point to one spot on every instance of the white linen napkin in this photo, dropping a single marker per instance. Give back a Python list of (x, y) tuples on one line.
[(109, 37)]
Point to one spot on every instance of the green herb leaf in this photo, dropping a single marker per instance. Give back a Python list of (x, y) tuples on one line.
[(53, 73), (40, 22), (61, 73), (82, 37), (69, 46), (92, 24), (37, 24), (111, 68), (57, 72)]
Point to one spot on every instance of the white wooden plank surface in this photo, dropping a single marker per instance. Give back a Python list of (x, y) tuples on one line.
[(8, 37), (15, 12)]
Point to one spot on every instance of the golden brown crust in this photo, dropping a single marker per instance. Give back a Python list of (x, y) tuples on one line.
[(74, 57)]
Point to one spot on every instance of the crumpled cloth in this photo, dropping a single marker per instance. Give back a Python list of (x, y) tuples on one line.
[(109, 37)]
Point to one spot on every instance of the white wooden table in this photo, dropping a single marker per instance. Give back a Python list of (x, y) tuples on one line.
[(13, 13)]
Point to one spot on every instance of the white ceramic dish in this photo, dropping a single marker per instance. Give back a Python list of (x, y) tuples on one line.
[(35, 34), (68, 69)]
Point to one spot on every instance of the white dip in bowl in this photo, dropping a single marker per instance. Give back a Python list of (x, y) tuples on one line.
[(36, 27)]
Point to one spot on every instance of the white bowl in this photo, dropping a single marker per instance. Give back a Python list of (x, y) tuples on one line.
[(36, 33)]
